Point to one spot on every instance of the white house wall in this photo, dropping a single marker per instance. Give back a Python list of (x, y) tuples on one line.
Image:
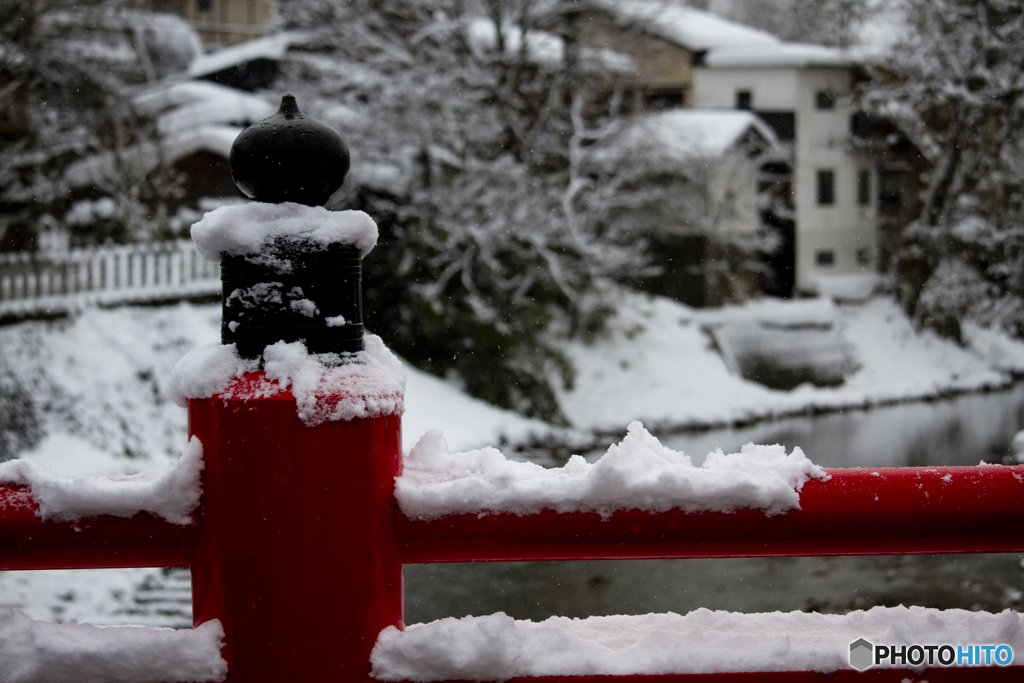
[(770, 89), (846, 229)]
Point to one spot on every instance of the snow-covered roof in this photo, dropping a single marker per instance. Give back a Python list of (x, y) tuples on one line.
[(213, 138), (726, 43), (99, 168), (270, 47), (196, 103), (793, 55), (542, 48), (690, 28), (691, 133)]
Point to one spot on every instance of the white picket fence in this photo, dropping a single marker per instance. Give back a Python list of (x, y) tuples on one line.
[(34, 284)]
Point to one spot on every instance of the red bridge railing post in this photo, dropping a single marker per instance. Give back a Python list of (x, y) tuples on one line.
[(297, 553)]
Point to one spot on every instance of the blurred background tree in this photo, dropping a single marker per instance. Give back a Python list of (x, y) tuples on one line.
[(485, 256), (67, 71), (955, 86)]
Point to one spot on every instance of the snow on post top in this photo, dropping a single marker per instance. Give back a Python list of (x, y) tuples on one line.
[(251, 229), (637, 474), (325, 389)]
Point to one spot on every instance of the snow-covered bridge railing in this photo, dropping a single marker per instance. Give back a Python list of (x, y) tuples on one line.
[(258, 510), (33, 284), (307, 517)]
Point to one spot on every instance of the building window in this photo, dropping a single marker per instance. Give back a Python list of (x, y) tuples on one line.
[(826, 188), (863, 187), (744, 100), (864, 256), (657, 100), (204, 5), (823, 99), (824, 257)]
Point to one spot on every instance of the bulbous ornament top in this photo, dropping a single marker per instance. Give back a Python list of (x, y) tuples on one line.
[(288, 157)]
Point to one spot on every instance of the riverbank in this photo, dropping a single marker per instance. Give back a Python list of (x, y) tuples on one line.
[(89, 394), (659, 365)]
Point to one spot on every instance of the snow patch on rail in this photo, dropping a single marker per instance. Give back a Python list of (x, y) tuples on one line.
[(637, 474), (33, 651), (497, 647), (172, 493), (327, 387)]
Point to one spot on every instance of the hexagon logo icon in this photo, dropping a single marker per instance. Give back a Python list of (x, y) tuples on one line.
[(861, 654)]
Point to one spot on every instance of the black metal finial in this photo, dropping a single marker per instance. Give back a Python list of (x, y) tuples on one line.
[(288, 157), (294, 289)]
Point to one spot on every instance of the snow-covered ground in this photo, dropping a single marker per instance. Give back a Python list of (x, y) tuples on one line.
[(659, 365), (91, 393)]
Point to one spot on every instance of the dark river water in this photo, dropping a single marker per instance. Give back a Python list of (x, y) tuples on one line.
[(958, 431)]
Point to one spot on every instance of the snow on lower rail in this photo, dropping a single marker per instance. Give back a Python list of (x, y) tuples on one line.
[(497, 647), (637, 474), (36, 651), (172, 493)]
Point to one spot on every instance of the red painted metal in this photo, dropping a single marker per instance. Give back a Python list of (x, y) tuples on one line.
[(988, 674), (297, 554), (28, 542), (856, 512)]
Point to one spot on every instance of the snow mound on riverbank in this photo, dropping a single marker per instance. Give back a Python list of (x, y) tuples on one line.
[(636, 474), (497, 647), (659, 364)]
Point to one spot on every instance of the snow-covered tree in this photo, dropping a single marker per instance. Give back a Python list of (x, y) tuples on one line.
[(956, 88), (826, 22), (483, 256), (66, 72)]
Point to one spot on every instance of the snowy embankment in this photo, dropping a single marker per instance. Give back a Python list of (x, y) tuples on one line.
[(92, 394), (659, 365), (496, 647)]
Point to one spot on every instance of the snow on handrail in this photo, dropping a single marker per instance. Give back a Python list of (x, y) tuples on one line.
[(637, 474), (34, 651), (498, 648)]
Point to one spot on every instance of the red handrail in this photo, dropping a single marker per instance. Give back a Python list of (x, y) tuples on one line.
[(28, 542), (869, 511)]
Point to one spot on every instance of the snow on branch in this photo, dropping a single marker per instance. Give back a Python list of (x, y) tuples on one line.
[(497, 647), (637, 474), (33, 651), (171, 494)]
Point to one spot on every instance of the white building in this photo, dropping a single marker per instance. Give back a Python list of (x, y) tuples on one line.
[(694, 59), (804, 93)]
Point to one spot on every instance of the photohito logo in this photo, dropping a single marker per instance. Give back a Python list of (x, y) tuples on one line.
[(864, 655)]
